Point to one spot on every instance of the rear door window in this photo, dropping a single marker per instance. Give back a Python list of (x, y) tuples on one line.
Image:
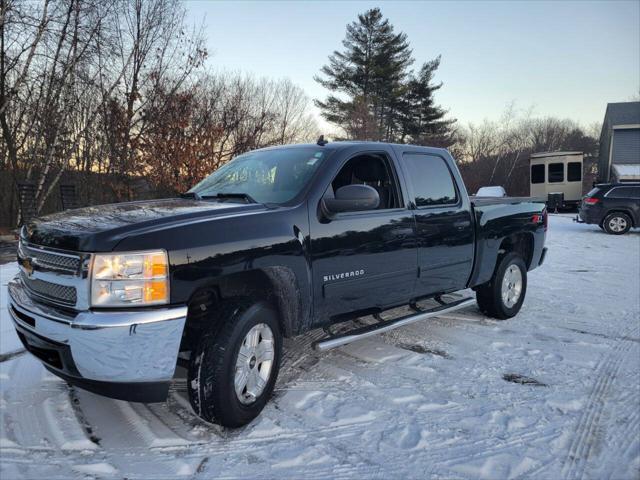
[(537, 173), (430, 179), (556, 172)]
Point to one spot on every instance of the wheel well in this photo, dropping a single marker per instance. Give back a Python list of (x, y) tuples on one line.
[(619, 210), (258, 285), (521, 243)]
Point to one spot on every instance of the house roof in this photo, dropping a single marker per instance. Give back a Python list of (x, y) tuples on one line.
[(623, 113)]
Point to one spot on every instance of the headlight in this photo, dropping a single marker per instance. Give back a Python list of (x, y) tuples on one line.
[(130, 279)]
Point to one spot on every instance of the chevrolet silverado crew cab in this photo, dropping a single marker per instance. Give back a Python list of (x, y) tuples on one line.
[(275, 243)]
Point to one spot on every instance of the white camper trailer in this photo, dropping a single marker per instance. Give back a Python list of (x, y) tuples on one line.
[(557, 177)]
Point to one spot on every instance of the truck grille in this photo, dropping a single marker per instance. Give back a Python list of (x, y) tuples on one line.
[(51, 291), (50, 260), (53, 276)]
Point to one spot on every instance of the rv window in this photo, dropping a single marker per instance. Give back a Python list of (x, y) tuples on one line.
[(537, 173), (556, 172), (574, 171)]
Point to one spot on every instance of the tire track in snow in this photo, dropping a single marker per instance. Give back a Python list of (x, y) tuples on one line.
[(632, 426), (583, 442), (63, 426), (585, 434), (613, 368), (488, 447), (152, 430), (82, 420), (49, 419), (28, 421), (10, 355), (623, 438)]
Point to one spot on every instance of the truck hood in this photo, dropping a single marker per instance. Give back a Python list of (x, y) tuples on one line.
[(100, 228)]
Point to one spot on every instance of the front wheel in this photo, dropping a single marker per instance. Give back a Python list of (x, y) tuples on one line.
[(617, 223), (234, 368), (503, 295)]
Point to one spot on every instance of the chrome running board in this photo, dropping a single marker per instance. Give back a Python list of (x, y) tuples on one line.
[(387, 325)]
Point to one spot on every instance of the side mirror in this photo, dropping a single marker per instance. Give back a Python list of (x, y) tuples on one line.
[(353, 198)]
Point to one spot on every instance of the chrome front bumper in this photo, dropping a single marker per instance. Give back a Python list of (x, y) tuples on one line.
[(133, 346)]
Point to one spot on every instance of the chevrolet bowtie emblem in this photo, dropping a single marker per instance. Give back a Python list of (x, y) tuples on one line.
[(28, 266)]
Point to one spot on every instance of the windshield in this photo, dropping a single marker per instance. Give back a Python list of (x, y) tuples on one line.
[(269, 176)]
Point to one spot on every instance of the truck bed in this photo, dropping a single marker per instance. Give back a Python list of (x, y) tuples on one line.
[(502, 217)]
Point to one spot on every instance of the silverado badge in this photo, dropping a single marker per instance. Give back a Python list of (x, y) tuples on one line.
[(339, 276)]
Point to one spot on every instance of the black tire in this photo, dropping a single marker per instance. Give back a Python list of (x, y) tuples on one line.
[(489, 295), (212, 367), (617, 223)]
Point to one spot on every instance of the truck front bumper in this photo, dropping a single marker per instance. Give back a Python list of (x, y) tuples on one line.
[(129, 355)]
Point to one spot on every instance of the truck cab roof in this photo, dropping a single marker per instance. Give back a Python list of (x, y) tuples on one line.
[(340, 145)]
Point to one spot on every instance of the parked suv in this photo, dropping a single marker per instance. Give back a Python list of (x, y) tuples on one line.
[(615, 207)]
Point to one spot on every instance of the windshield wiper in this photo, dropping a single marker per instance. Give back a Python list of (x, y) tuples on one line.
[(225, 195), (193, 195)]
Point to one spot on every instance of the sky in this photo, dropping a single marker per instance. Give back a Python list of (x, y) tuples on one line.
[(566, 59)]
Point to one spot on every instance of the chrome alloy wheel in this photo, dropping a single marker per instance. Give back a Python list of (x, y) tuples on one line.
[(617, 224), (511, 286), (254, 363)]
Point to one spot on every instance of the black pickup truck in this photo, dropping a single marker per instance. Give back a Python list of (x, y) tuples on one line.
[(275, 243)]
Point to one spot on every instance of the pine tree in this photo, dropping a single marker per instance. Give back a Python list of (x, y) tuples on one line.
[(423, 121), (374, 96), (371, 71)]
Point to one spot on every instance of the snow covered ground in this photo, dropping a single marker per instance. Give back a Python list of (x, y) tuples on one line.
[(428, 400)]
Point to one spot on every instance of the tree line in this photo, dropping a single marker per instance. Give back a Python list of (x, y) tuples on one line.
[(112, 93), (118, 90)]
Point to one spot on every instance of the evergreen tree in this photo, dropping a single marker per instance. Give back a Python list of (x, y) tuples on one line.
[(423, 121), (371, 70), (374, 96)]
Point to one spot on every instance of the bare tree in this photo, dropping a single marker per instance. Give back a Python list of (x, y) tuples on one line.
[(163, 55), (294, 123), (497, 153), (193, 132), (40, 65), (22, 28)]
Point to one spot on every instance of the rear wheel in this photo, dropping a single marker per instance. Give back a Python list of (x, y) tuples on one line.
[(503, 295), (234, 368), (617, 223)]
